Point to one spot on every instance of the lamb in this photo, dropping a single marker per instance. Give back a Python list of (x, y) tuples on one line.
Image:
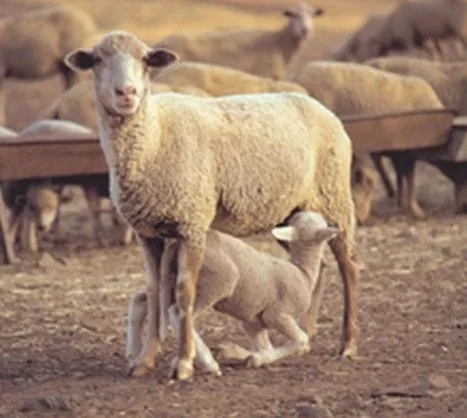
[(262, 291), (26, 55), (261, 52), (221, 81), (241, 164), (413, 22), (352, 89)]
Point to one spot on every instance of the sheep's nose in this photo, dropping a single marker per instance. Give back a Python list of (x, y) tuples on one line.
[(126, 90)]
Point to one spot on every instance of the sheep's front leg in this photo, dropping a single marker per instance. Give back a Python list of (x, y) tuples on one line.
[(203, 353), (287, 326), (152, 250), (190, 259)]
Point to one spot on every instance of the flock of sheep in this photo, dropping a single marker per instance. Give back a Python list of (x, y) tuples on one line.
[(214, 131)]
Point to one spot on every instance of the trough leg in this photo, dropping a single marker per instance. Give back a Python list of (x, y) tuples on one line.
[(152, 251), (7, 238), (190, 259)]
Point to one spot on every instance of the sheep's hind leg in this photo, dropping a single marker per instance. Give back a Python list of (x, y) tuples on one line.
[(137, 312), (203, 353), (287, 326), (152, 347)]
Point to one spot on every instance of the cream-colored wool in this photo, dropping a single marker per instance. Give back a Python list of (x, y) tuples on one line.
[(357, 89), (221, 81), (257, 51), (242, 164)]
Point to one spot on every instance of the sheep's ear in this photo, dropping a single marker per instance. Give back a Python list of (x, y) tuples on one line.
[(325, 234), (284, 233), (80, 60), (290, 13), (160, 57)]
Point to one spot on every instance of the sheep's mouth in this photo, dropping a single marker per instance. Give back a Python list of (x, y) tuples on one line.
[(126, 108)]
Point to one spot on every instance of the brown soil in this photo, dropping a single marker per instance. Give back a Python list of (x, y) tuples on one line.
[(62, 331)]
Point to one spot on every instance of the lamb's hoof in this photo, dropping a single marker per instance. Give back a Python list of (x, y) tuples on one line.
[(213, 369), (252, 362), (182, 370), (349, 351)]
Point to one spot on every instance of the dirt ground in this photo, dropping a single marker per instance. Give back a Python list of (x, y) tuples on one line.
[(62, 322)]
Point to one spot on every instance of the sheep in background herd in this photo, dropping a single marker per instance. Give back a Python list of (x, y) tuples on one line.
[(221, 81), (242, 164), (33, 44), (261, 52), (356, 89), (262, 291)]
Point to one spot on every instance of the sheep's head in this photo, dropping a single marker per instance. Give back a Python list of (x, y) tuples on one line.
[(305, 228), (301, 19), (43, 204), (363, 179), (120, 63)]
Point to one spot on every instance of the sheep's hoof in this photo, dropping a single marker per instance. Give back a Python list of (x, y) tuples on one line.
[(417, 212), (183, 370), (349, 351), (139, 370)]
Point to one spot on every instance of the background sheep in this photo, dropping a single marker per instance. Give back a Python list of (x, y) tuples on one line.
[(262, 156), (262, 291), (414, 21), (355, 89), (261, 52), (33, 44), (221, 81)]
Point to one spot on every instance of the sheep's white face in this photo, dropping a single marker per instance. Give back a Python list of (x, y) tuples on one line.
[(121, 63), (121, 83), (301, 19)]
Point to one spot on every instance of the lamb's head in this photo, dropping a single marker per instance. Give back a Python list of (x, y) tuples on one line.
[(305, 229), (120, 63), (301, 19), (42, 203)]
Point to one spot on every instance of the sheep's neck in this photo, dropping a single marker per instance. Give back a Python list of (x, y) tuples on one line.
[(126, 141), (288, 42), (308, 259)]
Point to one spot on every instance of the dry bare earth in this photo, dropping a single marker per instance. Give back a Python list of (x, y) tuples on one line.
[(62, 324)]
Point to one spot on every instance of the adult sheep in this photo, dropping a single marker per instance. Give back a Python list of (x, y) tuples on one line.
[(33, 44), (412, 22), (242, 164), (257, 51), (220, 81), (356, 89)]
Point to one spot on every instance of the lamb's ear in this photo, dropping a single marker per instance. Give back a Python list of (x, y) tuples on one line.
[(160, 57), (327, 233), (284, 233), (80, 59)]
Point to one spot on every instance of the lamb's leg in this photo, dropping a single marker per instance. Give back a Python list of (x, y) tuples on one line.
[(137, 311), (316, 299), (190, 259), (416, 210), (94, 204), (287, 326), (166, 299), (345, 256), (259, 338), (378, 162), (152, 250), (203, 353)]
